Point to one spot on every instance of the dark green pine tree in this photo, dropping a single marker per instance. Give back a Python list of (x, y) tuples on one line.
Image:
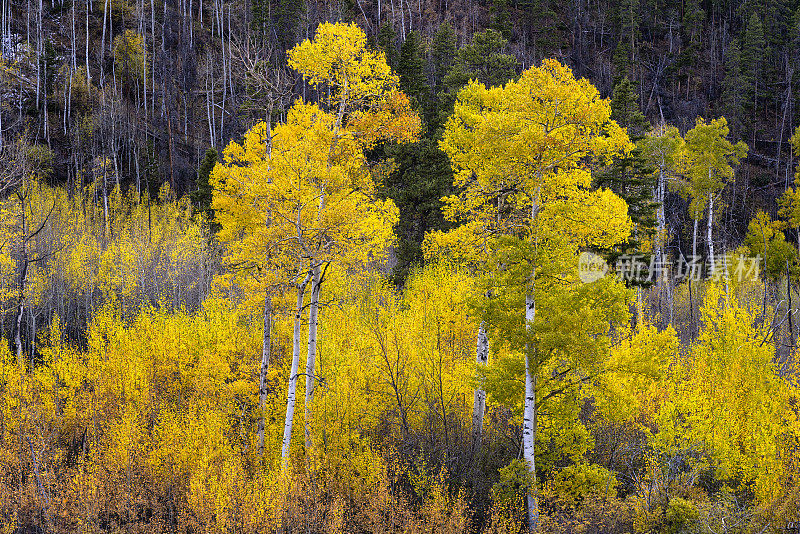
[(621, 61), (631, 176), (443, 53), (387, 42), (422, 177), (411, 68), (544, 25), (259, 21), (793, 43), (442, 59), (287, 25), (485, 60), (733, 91), (629, 21), (752, 58), (693, 18), (501, 18), (201, 198), (625, 109)]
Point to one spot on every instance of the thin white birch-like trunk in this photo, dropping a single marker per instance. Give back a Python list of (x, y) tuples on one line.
[(88, 74), (529, 407), (290, 395), (313, 321), (479, 403), (262, 381), (22, 279), (103, 43), (694, 240), (529, 419), (661, 226), (709, 231)]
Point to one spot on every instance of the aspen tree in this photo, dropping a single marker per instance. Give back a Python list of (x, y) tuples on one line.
[(519, 154), (305, 193), (663, 148), (708, 165)]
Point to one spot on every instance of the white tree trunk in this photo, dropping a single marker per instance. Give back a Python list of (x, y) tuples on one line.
[(88, 74), (262, 382), (709, 228), (311, 359), (290, 395), (694, 240), (529, 419), (661, 225), (479, 403), (529, 406)]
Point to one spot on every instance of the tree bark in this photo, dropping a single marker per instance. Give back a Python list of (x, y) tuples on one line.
[(791, 309), (661, 231), (23, 276), (290, 395), (262, 381), (88, 74), (313, 314), (529, 407), (529, 419), (479, 403), (709, 232)]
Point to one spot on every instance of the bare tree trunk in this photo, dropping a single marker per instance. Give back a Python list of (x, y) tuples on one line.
[(38, 53), (529, 419), (103, 43), (313, 321), (290, 394), (529, 407), (791, 309), (661, 282), (88, 74), (262, 382), (709, 232), (153, 73), (22, 277), (479, 402)]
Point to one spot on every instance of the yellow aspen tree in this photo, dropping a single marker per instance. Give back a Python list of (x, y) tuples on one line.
[(727, 401), (789, 201), (302, 189), (521, 156), (663, 147), (708, 165)]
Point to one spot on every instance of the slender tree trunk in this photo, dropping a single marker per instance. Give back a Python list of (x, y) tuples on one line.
[(529, 407), (529, 418), (290, 395), (709, 232), (479, 403), (791, 310), (39, 38), (313, 315), (23, 276), (103, 43), (661, 231), (262, 382), (88, 74)]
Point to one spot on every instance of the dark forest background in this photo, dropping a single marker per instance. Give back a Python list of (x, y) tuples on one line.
[(153, 86)]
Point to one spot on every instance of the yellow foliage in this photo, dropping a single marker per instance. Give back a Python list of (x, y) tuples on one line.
[(727, 401)]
